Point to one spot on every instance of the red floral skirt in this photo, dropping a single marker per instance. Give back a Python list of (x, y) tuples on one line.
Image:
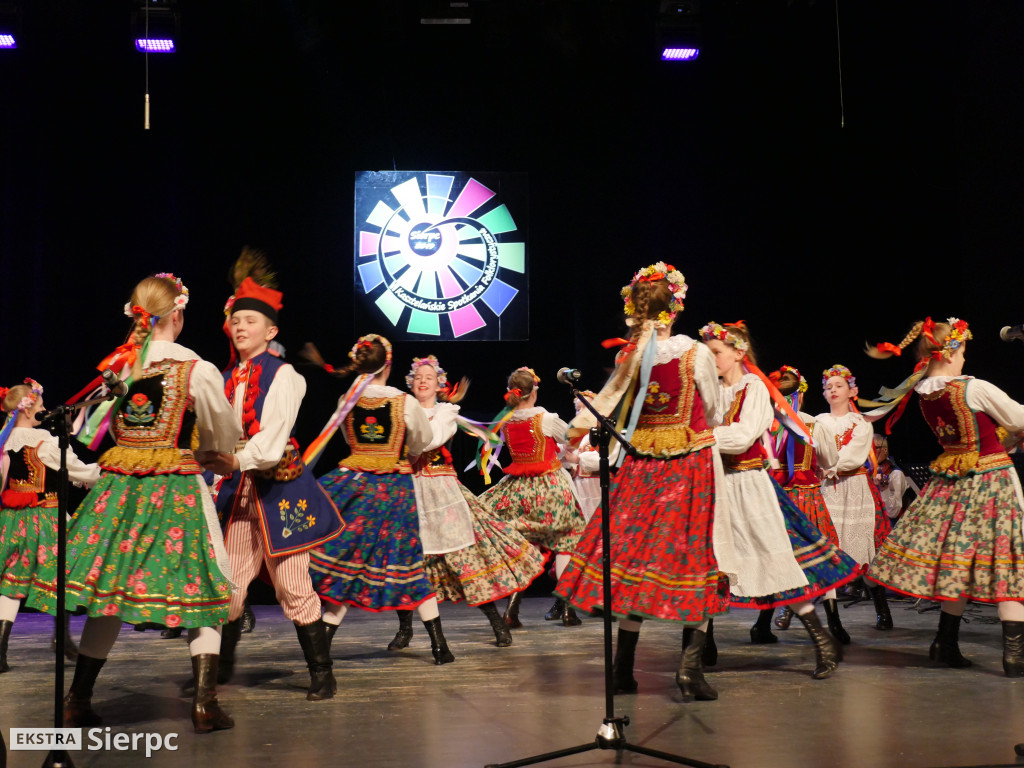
[(662, 562)]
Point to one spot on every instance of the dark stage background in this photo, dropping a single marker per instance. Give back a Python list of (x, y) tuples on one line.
[(734, 168)]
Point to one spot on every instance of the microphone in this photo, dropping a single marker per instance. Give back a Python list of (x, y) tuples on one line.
[(114, 383), (1009, 333), (569, 376)]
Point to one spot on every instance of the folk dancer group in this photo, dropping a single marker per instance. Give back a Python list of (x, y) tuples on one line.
[(736, 497)]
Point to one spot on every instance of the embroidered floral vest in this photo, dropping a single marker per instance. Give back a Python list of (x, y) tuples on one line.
[(533, 453), (376, 434), (969, 438), (435, 463), (672, 421), (752, 458), (805, 464), (155, 425), (29, 484)]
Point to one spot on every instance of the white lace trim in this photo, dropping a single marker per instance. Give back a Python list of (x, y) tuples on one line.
[(672, 348), (729, 393), (381, 390), (935, 383)]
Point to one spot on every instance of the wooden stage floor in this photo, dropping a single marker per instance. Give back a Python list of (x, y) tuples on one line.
[(886, 706)]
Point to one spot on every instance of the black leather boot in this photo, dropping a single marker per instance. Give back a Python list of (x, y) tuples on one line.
[(317, 651), (228, 642), (784, 617), (206, 712), (512, 611), (248, 619), (946, 645), (835, 626), (438, 645), (501, 631), (690, 675), (70, 649), (883, 619), (404, 633), (555, 613), (569, 617), (78, 712), (710, 656), (826, 650), (761, 632), (5, 635), (171, 633), (622, 667), (1013, 648)]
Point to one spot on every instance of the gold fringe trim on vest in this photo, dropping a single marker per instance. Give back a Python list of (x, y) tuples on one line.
[(377, 464), (670, 441), (963, 464), (144, 461)]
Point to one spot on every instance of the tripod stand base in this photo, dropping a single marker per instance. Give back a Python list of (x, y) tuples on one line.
[(609, 736), (58, 758)]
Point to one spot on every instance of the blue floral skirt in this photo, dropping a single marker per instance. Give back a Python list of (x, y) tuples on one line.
[(377, 562)]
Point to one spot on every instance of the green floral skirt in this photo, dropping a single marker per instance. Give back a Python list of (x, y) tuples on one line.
[(139, 548)]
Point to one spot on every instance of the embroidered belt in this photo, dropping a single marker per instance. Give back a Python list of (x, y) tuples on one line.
[(951, 464), (288, 468)]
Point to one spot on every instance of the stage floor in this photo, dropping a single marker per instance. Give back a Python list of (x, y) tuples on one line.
[(887, 705)]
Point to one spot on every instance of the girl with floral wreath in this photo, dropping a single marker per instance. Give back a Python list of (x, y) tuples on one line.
[(377, 562), (783, 558), (145, 544), (961, 538), (666, 503), (851, 496), (796, 467), (28, 506), (536, 494), (470, 555)]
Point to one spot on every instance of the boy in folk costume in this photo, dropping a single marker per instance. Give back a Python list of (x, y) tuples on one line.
[(274, 511)]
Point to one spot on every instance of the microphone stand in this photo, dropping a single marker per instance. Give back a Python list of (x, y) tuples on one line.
[(61, 418), (611, 734)]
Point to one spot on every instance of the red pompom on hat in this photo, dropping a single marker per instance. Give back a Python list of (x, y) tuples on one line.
[(252, 295)]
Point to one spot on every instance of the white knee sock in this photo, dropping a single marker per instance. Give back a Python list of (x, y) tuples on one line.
[(99, 635), (1011, 610), (333, 614), (830, 595), (802, 609), (561, 560), (704, 627), (204, 640), (8, 608), (630, 625), (428, 610)]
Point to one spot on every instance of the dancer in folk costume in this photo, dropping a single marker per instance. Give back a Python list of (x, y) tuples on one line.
[(145, 545), (377, 562), (536, 494), (891, 481), (961, 538), (273, 509), (796, 466), (28, 506), (665, 503), (852, 498), (583, 463), (470, 555), (782, 558)]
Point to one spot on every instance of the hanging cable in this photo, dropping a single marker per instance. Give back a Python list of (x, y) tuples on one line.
[(145, 121), (839, 51)]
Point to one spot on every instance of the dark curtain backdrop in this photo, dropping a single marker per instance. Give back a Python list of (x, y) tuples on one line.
[(735, 168)]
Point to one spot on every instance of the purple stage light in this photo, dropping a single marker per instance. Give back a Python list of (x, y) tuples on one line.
[(7, 41), (154, 45), (679, 54)]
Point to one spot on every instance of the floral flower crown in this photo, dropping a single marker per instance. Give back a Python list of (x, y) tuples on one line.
[(367, 341), (802, 387), (536, 378), (657, 271), (714, 330), (431, 360), (180, 301), (28, 400), (958, 334), (838, 370)]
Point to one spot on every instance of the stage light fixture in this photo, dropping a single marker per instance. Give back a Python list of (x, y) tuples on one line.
[(156, 25), (446, 12), (10, 25), (679, 30)]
